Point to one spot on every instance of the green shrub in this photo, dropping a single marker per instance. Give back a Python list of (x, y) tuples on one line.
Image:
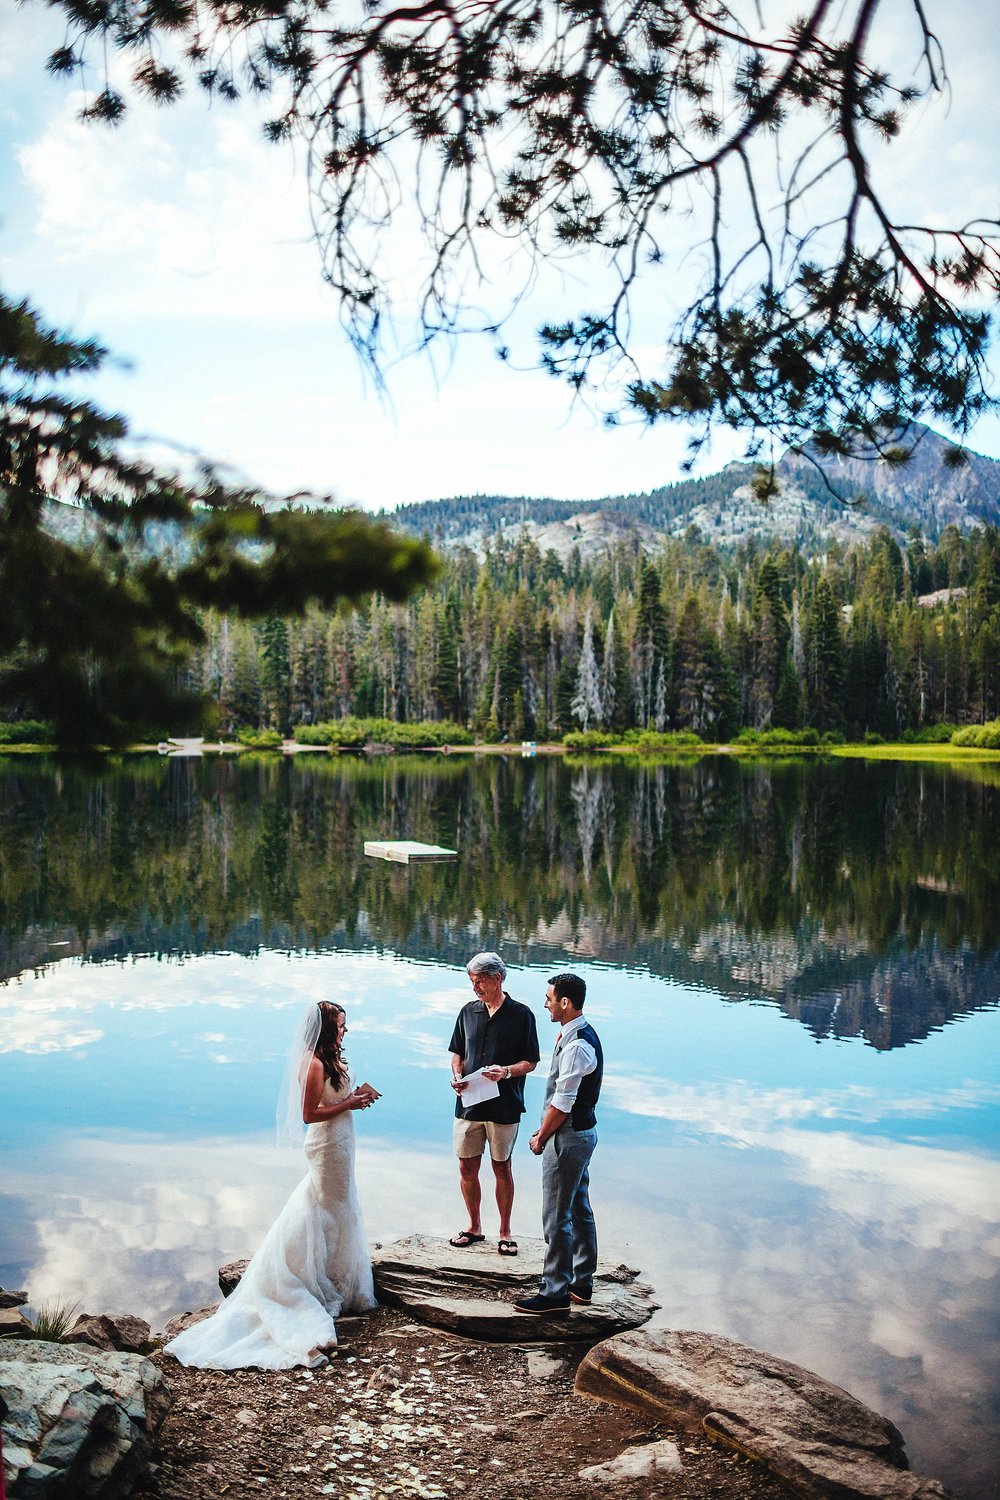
[(352, 733), (935, 734), (452, 733), (26, 732), (53, 1321), (588, 739), (872, 737), (379, 731), (427, 734), (770, 739), (312, 734), (259, 739), (979, 736), (653, 739), (650, 740), (407, 736), (800, 737), (346, 732), (51, 1324)]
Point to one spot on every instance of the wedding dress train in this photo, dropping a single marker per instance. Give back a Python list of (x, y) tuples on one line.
[(312, 1265)]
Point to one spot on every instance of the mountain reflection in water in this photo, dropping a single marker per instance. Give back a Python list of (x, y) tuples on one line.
[(862, 898), (794, 969)]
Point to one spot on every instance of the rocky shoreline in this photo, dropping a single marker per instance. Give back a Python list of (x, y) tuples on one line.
[(442, 1392)]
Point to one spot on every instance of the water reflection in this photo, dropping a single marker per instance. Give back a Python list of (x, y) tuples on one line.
[(864, 899), (838, 1204)]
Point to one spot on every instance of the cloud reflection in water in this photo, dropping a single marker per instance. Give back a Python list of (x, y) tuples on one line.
[(831, 1205)]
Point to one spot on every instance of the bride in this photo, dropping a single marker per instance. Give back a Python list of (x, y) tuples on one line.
[(313, 1263)]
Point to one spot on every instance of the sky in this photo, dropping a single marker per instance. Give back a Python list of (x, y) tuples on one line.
[(183, 242)]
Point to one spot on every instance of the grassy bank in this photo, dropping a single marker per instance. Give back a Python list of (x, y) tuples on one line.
[(650, 746), (963, 753)]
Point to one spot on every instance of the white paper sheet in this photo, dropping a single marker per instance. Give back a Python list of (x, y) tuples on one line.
[(479, 1089)]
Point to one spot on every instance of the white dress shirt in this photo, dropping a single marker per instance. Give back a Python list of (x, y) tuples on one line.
[(576, 1059)]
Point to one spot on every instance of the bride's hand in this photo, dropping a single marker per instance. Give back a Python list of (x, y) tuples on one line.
[(363, 1096)]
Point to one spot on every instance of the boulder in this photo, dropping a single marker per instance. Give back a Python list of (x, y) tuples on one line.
[(230, 1275), (79, 1423), (812, 1434), (119, 1331), (470, 1292), (184, 1320), (651, 1461), (12, 1299), (554, 1365), (13, 1322)]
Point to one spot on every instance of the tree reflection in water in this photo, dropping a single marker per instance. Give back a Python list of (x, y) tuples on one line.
[(854, 1192), (862, 898)]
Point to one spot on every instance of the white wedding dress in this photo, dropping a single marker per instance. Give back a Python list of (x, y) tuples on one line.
[(312, 1265)]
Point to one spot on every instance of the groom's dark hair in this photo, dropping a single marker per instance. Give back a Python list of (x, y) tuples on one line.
[(570, 987)]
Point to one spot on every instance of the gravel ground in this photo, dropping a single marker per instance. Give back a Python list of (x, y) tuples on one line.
[(405, 1410)]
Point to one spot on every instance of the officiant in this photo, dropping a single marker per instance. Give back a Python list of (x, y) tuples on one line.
[(494, 1037)]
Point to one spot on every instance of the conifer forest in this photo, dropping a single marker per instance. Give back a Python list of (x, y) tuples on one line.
[(881, 638)]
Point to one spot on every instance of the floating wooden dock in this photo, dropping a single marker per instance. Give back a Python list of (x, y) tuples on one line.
[(407, 851)]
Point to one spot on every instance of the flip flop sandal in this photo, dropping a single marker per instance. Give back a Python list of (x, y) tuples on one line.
[(466, 1237), (507, 1247)]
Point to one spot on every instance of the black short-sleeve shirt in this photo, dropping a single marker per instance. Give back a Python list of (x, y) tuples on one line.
[(507, 1037)]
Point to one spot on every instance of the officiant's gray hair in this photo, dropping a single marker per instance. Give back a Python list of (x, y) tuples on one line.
[(490, 964)]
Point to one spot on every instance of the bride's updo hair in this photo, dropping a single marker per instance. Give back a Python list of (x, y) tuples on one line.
[(328, 1043)]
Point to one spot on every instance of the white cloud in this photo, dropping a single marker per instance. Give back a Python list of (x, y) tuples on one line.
[(860, 1259), (237, 981), (142, 1225), (747, 1114), (200, 222), (933, 1198), (184, 240), (869, 1259), (32, 1033)]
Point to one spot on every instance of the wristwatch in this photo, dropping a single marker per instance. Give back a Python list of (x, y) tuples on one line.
[(506, 1072)]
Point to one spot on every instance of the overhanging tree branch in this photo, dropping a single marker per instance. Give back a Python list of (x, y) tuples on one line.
[(617, 134), (107, 562)]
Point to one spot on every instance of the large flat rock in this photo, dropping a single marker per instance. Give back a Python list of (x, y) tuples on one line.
[(78, 1423), (814, 1435), (471, 1292)]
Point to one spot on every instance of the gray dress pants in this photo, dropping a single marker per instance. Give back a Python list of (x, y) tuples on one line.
[(567, 1217)]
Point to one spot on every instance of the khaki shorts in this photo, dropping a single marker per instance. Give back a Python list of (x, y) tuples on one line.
[(470, 1137)]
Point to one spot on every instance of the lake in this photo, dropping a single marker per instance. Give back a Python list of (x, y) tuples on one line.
[(794, 968)]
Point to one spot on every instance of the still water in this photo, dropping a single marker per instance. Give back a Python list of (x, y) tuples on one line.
[(795, 971)]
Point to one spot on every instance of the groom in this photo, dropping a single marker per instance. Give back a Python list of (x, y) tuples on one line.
[(565, 1141)]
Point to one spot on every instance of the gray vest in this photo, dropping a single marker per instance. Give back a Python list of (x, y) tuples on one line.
[(583, 1115)]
